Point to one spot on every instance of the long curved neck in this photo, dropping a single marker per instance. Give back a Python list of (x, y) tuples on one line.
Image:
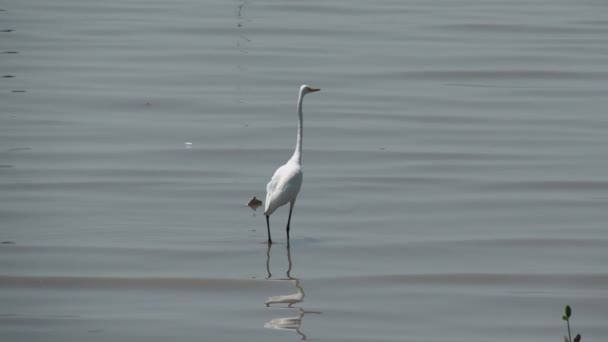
[(297, 154)]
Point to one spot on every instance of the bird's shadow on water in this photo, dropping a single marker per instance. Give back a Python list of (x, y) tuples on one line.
[(290, 301)]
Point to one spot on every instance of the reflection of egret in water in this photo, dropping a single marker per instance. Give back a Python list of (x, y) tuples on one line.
[(287, 323), (288, 299)]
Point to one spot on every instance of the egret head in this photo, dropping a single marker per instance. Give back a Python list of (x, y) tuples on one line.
[(304, 89)]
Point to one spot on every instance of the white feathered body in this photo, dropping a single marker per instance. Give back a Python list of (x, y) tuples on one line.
[(283, 187)]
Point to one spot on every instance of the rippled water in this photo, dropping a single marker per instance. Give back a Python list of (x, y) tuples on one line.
[(455, 165)]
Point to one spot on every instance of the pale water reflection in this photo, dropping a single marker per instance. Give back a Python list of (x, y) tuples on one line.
[(292, 322), (288, 299)]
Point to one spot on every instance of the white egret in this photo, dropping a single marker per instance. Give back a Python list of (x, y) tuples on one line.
[(286, 182)]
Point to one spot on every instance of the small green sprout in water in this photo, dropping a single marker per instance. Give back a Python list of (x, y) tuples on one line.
[(566, 317)]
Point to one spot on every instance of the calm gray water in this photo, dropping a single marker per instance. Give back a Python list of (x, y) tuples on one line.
[(455, 166)]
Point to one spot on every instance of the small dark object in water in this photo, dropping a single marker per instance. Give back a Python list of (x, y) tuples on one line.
[(15, 149), (7, 242), (254, 203)]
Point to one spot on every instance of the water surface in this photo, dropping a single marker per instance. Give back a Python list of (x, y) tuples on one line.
[(455, 165)]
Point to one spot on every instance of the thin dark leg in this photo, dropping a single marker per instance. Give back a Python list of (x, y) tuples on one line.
[(268, 263), (268, 227), (289, 221), (289, 260)]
